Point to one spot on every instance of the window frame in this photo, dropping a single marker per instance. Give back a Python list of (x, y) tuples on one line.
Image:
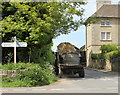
[(107, 24), (102, 22), (109, 35), (105, 36)]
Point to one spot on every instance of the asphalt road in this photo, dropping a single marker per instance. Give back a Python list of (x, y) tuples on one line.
[(94, 82)]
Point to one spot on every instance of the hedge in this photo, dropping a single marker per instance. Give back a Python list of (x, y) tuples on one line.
[(113, 54), (34, 75), (109, 55)]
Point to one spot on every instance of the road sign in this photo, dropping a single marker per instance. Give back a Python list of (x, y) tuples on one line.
[(14, 44), (21, 44), (7, 44), (11, 44)]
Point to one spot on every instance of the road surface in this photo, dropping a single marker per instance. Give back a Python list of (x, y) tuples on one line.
[(94, 82)]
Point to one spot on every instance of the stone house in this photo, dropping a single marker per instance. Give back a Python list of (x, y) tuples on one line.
[(105, 30)]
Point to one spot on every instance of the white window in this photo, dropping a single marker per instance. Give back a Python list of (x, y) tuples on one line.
[(108, 36), (102, 22), (107, 22), (105, 36), (102, 35)]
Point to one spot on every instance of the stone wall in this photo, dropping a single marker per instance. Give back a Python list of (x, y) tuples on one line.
[(97, 64), (11, 73), (115, 64), (107, 65)]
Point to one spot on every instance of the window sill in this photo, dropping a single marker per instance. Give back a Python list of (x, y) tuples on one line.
[(105, 25), (106, 40)]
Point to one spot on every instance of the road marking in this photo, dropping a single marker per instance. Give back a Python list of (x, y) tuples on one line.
[(93, 88), (43, 89), (91, 79), (106, 79), (112, 88), (39, 89), (18, 90), (3, 90), (116, 82), (103, 79), (57, 89), (109, 79)]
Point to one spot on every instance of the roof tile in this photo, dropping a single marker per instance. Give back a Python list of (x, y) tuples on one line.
[(108, 11)]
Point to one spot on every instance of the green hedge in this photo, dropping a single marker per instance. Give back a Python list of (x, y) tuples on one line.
[(113, 54), (109, 55), (109, 48), (35, 75), (108, 51), (95, 56), (18, 66)]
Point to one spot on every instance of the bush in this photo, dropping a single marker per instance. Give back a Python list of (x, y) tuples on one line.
[(113, 54), (33, 75), (18, 66), (37, 76), (108, 48), (109, 55), (96, 56), (10, 66), (107, 52), (23, 65), (14, 82)]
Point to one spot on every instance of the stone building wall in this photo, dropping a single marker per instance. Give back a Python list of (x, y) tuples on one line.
[(107, 65), (93, 36)]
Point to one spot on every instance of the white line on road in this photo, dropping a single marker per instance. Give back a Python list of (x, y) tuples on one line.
[(43, 89), (93, 88), (18, 90), (112, 88), (38, 89), (57, 89), (3, 90), (106, 79), (116, 82)]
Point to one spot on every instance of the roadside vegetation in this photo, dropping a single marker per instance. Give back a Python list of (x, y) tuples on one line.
[(107, 52), (28, 74), (108, 59), (36, 23)]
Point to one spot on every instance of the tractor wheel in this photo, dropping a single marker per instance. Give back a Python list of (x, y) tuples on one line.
[(61, 74), (82, 73)]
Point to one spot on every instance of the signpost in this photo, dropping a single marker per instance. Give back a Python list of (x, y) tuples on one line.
[(14, 44), (11, 44)]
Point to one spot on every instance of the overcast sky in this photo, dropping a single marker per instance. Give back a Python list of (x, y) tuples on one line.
[(77, 38)]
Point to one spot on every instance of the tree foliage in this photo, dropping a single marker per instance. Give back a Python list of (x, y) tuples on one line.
[(107, 52), (108, 48), (37, 23)]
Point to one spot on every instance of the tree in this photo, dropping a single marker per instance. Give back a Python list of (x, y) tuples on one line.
[(109, 48), (38, 23)]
